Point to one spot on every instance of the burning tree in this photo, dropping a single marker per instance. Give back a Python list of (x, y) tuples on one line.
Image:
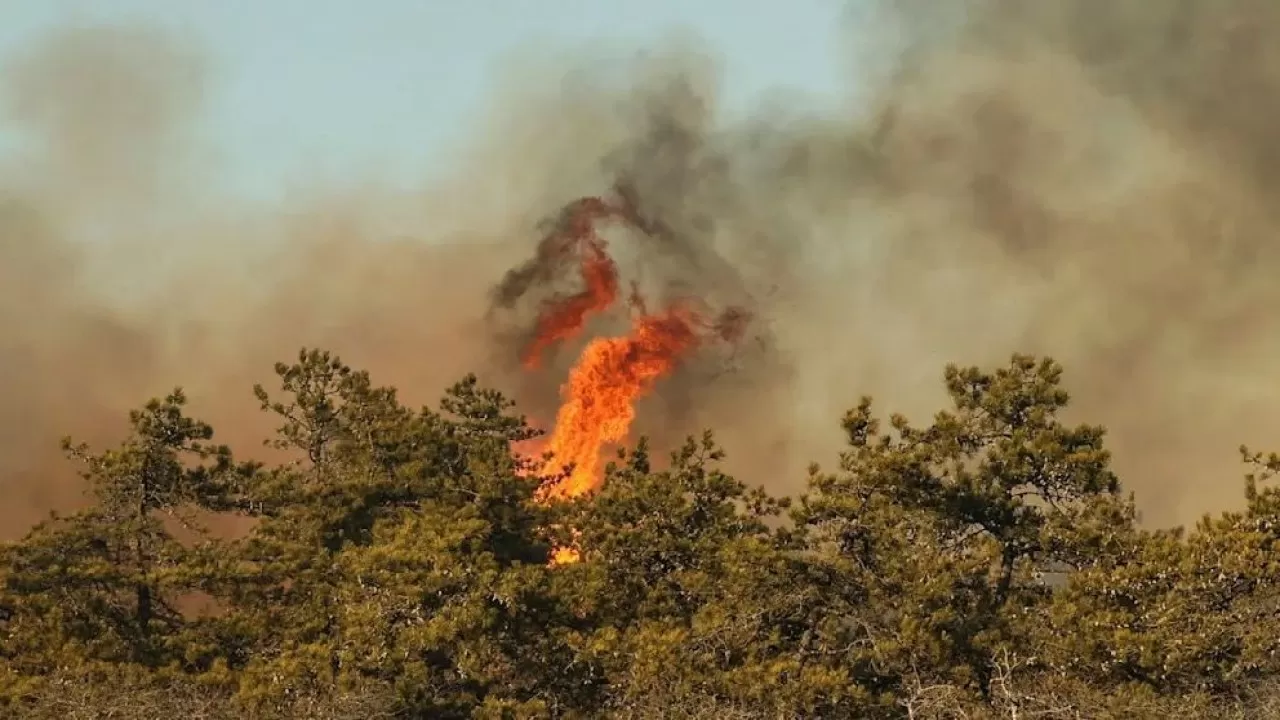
[(613, 372)]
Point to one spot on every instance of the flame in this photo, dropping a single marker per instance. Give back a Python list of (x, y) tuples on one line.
[(612, 373), (599, 398), (564, 317), (565, 556)]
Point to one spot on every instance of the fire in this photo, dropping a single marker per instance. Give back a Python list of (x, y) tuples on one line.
[(565, 317), (612, 373), (565, 556), (602, 389)]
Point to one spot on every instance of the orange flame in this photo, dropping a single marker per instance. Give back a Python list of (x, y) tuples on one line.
[(565, 317), (602, 389), (612, 373)]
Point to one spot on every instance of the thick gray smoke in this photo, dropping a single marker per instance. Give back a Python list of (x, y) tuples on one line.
[(1082, 178), (1087, 179)]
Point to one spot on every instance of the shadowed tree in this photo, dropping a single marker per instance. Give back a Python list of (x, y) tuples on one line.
[(1180, 612), (401, 548), (100, 585), (945, 527), (690, 604)]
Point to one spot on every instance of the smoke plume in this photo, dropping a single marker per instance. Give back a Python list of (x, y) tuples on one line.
[(1086, 179)]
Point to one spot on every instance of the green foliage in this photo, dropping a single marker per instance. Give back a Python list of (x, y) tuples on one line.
[(99, 586), (984, 564)]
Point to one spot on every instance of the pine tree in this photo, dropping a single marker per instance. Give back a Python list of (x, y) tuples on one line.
[(940, 532), (100, 586), (402, 549)]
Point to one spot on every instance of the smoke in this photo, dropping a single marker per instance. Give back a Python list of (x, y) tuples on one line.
[(126, 268), (1085, 179)]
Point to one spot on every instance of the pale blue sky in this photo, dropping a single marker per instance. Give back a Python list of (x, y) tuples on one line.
[(387, 82)]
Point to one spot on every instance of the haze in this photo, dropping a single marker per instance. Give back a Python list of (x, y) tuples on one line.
[(190, 194)]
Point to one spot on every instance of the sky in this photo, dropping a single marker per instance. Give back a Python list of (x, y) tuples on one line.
[(338, 85)]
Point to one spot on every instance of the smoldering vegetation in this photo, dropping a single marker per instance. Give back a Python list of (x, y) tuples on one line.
[(1085, 179)]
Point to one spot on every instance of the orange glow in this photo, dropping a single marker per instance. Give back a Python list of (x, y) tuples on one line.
[(612, 373), (599, 399), (564, 556), (565, 317)]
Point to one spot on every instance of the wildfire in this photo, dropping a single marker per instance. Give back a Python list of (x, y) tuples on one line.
[(564, 317), (612, 373), (599, 398)]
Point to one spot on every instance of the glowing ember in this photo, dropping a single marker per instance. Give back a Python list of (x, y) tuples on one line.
[(565, 556)]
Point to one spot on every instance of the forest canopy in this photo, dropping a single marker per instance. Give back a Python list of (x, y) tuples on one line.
[(403, 563)]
